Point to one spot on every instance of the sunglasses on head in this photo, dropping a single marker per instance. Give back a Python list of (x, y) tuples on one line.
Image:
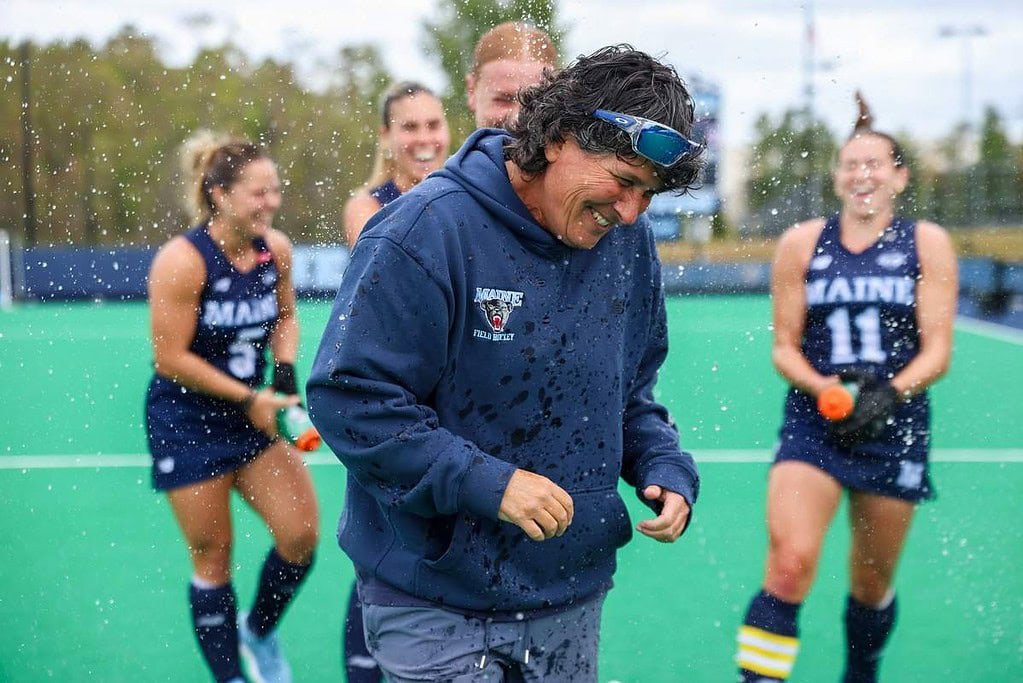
[(657, 142)]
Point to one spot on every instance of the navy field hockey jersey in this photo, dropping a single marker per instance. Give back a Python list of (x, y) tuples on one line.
[(861, 308), (466, 341), (861, 313), (237, 311)]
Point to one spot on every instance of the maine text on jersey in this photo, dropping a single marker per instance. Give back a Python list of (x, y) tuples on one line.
[(237, 313), (485, 293), (865, 289)]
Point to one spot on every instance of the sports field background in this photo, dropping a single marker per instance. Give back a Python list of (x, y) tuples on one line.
[(94, 573)]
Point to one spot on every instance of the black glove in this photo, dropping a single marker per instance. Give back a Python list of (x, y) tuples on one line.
[(875, 402), (285, 381)]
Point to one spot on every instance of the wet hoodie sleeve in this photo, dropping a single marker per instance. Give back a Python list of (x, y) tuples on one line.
[(382, 353), (652, 454)]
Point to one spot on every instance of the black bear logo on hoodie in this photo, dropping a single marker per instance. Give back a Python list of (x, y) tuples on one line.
[(497, 312)]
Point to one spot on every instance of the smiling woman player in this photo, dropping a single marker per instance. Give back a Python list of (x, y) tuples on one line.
[(868, 297), (219, 295), (413, 142)]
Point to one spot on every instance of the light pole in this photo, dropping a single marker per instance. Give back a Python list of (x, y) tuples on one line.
[(967, 32), (814, 190), (812, 198)]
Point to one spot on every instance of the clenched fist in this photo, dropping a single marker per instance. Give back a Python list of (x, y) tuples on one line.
[(537, 505)]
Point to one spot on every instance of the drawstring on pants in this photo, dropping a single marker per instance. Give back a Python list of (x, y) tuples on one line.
[(486, 644), (522, 650)]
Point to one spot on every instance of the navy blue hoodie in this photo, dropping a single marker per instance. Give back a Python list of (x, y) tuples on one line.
[(466, 341)]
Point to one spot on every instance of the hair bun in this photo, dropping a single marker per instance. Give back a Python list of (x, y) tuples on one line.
[(864, 117)]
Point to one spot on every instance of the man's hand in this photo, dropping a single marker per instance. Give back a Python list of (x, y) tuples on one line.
[(537, 505), (669, 525)]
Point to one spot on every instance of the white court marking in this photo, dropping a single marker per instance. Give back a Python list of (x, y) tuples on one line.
[(736, 456), (981, 328)]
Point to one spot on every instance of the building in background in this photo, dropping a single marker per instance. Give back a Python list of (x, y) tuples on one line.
[(689, 216)]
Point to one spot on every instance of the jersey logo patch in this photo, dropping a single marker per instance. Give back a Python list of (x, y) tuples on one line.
[(497, 313), (911, 474), (269, 279), (497, 306), (891, 260), (222, 285), (821, 262)]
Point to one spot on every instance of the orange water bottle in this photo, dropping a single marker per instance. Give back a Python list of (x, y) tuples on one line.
[(838, 401), (294, 425)]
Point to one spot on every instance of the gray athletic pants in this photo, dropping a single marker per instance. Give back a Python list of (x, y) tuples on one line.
[(433, 644)]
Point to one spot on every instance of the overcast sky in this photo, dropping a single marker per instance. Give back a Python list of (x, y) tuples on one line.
[(754, 49)]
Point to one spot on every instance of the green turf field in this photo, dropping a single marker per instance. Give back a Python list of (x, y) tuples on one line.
[(93, 582)]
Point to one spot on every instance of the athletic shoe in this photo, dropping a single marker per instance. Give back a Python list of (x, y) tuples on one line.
[(262, 656)]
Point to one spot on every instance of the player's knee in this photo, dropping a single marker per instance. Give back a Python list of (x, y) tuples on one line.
[(211, 556), (792, 567), (298, 545), (210, 547), (869, 584)]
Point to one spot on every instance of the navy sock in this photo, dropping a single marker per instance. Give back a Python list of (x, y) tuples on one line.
[(768, 639), (215, 620), (359, 664), (866, 632), (277, 585)]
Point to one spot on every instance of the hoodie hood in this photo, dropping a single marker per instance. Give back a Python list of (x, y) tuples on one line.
[(479, 168)]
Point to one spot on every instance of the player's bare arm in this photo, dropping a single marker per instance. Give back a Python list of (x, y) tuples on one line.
[(788, 297), (284, 338), (937, 292), (357, 212)]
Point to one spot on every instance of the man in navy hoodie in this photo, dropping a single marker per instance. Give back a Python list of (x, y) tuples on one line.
[(487, 376)]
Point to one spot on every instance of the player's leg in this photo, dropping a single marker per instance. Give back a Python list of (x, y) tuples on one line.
[(204, 515), (360, 667), (278, 487), (880, 525), (801, 502)]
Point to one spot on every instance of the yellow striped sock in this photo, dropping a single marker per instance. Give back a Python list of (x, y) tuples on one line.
[(766, 653)]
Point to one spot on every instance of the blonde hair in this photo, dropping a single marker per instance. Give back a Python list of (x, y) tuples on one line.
[(209, 160), (517, 41), (383, 163)]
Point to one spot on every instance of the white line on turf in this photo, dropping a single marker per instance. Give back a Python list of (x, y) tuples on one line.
[(736, 456), (982, 328)]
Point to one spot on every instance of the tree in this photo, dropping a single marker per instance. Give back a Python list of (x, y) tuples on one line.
[(997, 172), (791, 170)]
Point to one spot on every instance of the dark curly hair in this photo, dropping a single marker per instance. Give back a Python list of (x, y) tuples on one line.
[(617, 78)]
